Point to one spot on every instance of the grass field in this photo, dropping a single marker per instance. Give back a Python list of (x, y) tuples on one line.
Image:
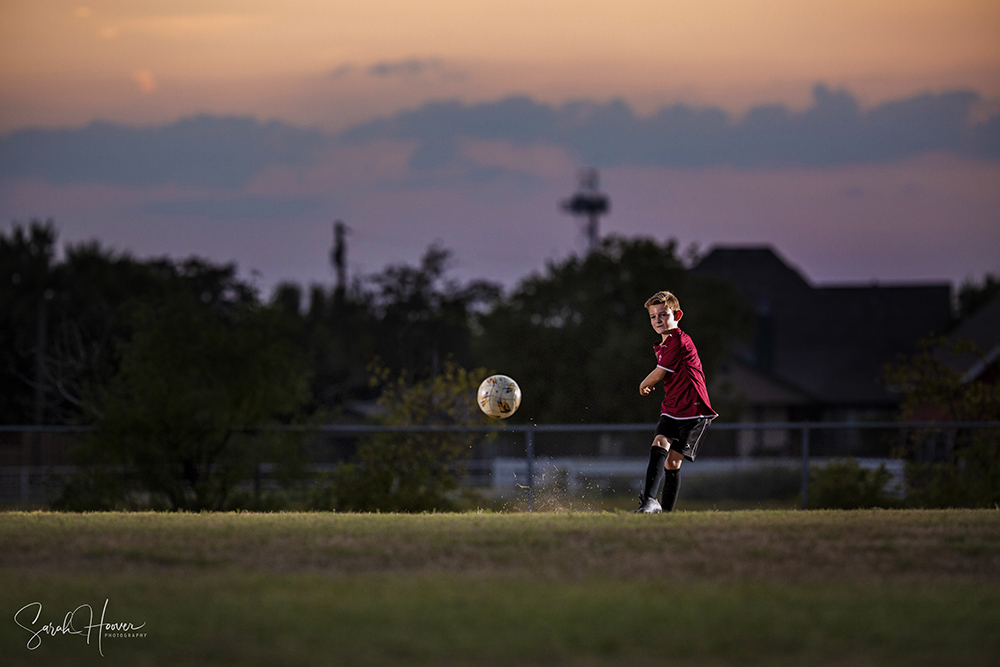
[(689, 588)]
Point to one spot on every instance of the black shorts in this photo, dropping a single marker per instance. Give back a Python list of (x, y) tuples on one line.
[(684, 434)]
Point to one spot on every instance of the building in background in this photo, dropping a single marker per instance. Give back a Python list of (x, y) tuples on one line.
[(818, 352)]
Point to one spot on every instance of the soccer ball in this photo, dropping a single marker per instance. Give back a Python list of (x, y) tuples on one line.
[(499, 396)]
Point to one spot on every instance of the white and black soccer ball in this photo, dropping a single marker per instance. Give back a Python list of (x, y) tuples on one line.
[(499, 396)]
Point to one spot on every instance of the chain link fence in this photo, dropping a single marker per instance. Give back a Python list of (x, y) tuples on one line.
[(750, 460)]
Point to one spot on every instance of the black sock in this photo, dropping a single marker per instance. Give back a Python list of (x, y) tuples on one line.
[(654, 472), (671, 485)]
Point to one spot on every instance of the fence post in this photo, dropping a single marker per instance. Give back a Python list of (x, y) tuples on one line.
[(805, 466), (25, 482), (529, 455)]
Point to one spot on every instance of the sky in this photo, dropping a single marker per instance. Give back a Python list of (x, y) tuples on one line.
[(861, 139)]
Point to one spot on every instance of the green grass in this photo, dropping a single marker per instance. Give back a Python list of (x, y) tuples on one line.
[(691, 588)]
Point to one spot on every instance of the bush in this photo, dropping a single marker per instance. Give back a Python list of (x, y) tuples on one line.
[(949, 467), (846, 485), (971, 480), (411, 472)]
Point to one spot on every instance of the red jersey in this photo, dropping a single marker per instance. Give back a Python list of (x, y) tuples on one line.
[(685, 393)]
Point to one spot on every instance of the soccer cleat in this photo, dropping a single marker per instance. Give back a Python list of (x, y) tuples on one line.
[(649, 506)]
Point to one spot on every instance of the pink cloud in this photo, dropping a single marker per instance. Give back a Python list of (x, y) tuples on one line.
[(145, 80)]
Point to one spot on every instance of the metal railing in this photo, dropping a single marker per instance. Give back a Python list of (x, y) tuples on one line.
[(529, 431)]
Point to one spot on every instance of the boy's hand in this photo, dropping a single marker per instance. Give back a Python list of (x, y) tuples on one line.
[(647, 385)]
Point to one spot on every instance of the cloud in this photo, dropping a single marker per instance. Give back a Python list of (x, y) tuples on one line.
[(833, 131), (200, 151), (145, 80), (341, 71), (404, 68), (228, 151), (411, 69)]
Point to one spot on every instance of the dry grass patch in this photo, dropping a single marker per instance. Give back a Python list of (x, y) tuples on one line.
[(958, 545), (825, 589)]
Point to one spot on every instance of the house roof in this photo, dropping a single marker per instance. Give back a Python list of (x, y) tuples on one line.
[(756, 386), (831, 342), (771, 278), (982, 328)]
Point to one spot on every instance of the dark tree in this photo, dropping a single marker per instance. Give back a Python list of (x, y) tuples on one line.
[(63, 320), (174, 417), (972, 296), (577, 338), (411, 319), (26, 288)]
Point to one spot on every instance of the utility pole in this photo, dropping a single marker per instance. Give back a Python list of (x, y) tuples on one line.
[(31, 446), (41, 347), (588, 203), (338, 256)]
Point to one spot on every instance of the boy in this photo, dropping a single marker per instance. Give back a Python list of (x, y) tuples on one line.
[(685, 412)]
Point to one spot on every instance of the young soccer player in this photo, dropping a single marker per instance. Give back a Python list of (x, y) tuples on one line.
[(685, 412)]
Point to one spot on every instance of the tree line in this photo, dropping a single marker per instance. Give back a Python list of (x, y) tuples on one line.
[(81, 328), (174, 363), (172, 360)]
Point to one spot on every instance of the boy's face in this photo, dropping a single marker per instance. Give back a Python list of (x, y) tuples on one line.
[(662, 318)]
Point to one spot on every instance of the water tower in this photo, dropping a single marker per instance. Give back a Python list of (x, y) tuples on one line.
[(588, 204)]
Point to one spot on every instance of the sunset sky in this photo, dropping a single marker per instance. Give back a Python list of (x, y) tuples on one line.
[(860, 138)]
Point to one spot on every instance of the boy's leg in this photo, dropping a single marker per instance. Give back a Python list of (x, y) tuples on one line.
[(672, 480), (690, 433), (655, 474)]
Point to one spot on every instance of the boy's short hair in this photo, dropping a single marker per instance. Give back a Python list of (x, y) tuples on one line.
[(664, 297)]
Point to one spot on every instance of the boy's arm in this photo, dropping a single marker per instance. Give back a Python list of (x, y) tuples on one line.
[(655, 376)]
